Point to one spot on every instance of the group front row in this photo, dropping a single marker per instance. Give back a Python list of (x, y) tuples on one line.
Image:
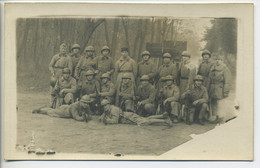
[(142, 106)]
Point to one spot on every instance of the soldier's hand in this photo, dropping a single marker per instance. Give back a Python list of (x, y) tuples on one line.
[(195, 103), (61, 92), (139, 103), (165, 101)]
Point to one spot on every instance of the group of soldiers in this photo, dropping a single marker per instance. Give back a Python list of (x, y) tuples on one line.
[(82, 85)]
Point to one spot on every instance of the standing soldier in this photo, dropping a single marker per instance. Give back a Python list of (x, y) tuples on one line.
[(86, 62), (220, 79), (205, 66), (65, 88), (125, 93), (104, 63), (167, 68), (145, 67), (197, 97), (125, 65), (87, 85), (75, 56), (187, 72), (57, 64), (107, 89), (145, 96), (170, 95)]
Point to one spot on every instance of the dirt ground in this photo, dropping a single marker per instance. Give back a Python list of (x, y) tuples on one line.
[(70, 136)]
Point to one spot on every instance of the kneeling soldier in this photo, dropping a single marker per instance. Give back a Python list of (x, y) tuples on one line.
[(170, 95), (107, 89), (197, 99), (79, 111), (145, 97), (114, 115), (65, 88)]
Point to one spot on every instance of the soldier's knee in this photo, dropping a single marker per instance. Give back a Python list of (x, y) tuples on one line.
[(69, 98), (204, 106), (174, 104)]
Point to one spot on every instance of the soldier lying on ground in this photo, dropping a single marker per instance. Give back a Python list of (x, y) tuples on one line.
[(197, 107), (79, 111), (114, 115)]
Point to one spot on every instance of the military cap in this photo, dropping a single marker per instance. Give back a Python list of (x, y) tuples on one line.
[(126, 76), (206, 52), (144, 78), (75, 46), (63, 45), (53, 81), (89, 72), (105, 75), (66, 71), (105, 102), (146, 53), (167, 55), (124, 49), (198, 78), (169, 77), (86, 99), (185, 54), (105, 48), (90, 48)]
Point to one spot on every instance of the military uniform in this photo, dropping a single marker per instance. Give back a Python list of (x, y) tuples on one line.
[(220, 81), (112, 116), (204, 69), (187, 73), (165, 70), (75, 58), (125, 65), (199, 94), (107, 91), (146, 94), (70, 86), (85, 63)]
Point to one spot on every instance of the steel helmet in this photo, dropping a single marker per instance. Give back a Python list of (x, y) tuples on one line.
[(198, 78), (89, 72), (167, 55), (185, 54), (144, 78), (145, 53), (105, 102), (206, 52), (105, 75), (126, 76), (86, 99), (75, 46), (89, 48), (105, 48)]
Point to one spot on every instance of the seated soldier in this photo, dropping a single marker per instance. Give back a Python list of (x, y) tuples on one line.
[(65, 88), (196, 101), (114, 115), (170, 95), (107, 89), (87, 85), (79, 111), (145, 96), (125, 93)]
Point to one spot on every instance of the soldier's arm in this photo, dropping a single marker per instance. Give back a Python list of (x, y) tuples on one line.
[(205, 96), (151, 97), (52, 63), (57, 86), (176, 95), (111, 91), (73, 88)]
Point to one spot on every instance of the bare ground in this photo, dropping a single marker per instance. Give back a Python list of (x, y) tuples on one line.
[(70, 136)]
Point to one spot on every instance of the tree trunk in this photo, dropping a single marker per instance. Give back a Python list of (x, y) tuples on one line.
[(138, 34), (106, 34), (114, 39), (125, 25)]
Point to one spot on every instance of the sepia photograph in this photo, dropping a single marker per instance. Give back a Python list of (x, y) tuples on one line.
[(128, 86)]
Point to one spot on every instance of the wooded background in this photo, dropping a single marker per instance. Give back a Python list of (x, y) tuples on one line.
[(38, 39)]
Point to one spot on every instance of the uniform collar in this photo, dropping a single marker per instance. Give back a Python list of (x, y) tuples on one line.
[(62, 55), (126, 59), (145, 62), (104, 57), (167, 65)]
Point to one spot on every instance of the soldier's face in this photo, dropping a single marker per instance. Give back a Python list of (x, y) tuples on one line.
[(205, 56), (90, 77), (166, 60), (219, 61), (124, 53), (90, 53), (104, 80), (145, 82), (63, 50), (105, 52), (185, 59), (146, 57), (198, 82), (169, 82), (66, 76), (125, 80), (75, 50)]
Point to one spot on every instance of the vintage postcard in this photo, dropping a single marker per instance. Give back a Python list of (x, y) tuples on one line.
[(135, 81)]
